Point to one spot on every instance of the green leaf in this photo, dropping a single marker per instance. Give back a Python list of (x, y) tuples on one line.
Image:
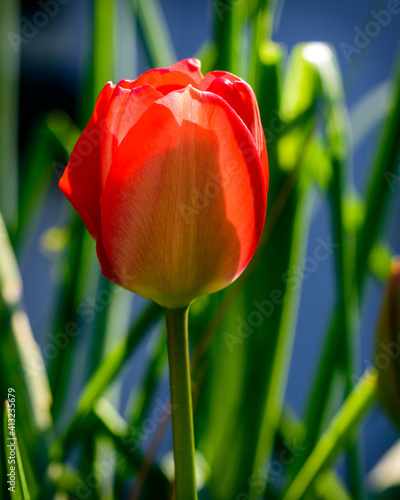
[(262, 14), (109, 368), (143, 394), (369, 111), (276, 384), (29, 367), (378, 194), (45, 156), (228, 21), (380, 261), (379, 191), (9, 69), (125, 438), (103, 43), (156, 37), (338, 436)]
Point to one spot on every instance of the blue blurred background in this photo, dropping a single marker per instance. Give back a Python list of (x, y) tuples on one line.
[(52, 66)]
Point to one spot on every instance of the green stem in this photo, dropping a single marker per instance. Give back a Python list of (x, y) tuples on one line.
[(338, 435), (181, 403)]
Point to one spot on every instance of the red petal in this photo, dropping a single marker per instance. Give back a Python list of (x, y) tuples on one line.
[(184, 203), (126, 107), (81, 181), (162, 79), (212, 75), (109, 142), (191, 67), (240, 96)]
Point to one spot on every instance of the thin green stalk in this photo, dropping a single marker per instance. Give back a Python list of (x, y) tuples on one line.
[(338, 435), (262, 31), (181, 403), (66, 314), (10, 49), (338, 133), (101, 68), (328, 486), (103, 44), (154, 31), (229, 17)]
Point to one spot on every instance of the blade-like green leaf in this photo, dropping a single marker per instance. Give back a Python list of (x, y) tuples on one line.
[(337, 437), (228, 21), (378, 194), (156, 38), (44, 158), (103, 43), (109, 368), (29, 368), (9, 69)]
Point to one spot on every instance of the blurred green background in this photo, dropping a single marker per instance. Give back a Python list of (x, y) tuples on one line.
[(332, 128)]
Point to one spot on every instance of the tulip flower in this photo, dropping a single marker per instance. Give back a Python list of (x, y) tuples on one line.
[(170, 177), (387, 355)]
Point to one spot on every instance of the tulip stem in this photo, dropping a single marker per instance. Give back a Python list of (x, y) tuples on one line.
[(181, 403)]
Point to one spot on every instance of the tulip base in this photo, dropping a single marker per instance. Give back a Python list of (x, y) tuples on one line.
[(181, 403)]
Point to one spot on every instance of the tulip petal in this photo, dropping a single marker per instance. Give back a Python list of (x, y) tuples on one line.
[(125, 108), (191, 67), (212, 75), (109, 142), (162, 79), (184, 203), (81, 181), (240, 96)]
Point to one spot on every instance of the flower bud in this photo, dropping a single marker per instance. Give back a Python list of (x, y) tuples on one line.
[(387, 357), (170, 177)]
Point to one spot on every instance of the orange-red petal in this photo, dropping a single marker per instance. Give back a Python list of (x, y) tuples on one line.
[(164, 80), (240, 96), (125, 108), (81, 181), (190, 67)]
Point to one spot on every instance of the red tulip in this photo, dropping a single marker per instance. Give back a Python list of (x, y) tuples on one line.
[(170, 177)]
